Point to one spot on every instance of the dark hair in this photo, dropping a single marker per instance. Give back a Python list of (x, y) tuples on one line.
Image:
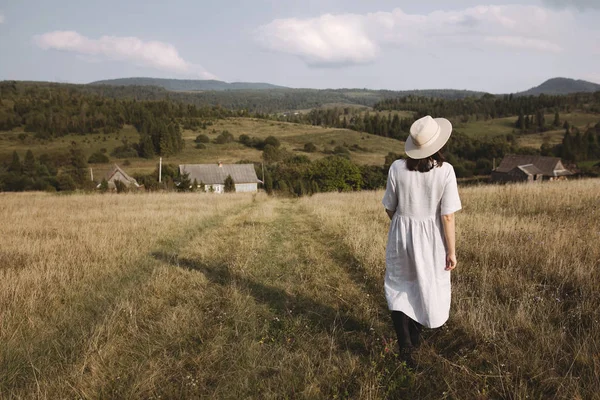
[(425, 164)]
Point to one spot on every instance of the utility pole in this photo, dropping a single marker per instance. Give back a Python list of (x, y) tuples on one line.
[(160, 170), (92, 174)]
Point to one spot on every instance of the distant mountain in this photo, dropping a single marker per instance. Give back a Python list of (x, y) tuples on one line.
[(187, 85), (556, 86)]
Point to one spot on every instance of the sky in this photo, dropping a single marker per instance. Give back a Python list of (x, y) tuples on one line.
[(497, 46)]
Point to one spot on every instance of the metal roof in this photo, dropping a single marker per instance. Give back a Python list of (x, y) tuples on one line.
[(116, 169), (549, 166), (213, 174), (530, 169)]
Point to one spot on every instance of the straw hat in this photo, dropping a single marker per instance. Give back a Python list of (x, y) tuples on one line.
[(427, 136)]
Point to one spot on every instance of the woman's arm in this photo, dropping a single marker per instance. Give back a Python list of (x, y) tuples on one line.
[(390, 213), (450, 238)]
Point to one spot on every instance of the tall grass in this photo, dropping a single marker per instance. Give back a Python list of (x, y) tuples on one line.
[(241, 296), (524, 319)]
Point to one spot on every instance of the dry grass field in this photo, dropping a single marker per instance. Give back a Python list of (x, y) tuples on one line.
[(244, 296)]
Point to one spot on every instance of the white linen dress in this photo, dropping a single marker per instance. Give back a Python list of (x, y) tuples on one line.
[(416, 281)]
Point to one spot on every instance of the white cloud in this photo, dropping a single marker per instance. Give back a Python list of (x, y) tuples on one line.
[(354, 39), (155, 54), (328, 39)]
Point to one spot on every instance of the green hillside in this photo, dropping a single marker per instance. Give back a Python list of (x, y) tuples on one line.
[(368, 149), (561, 86), (187, 84)]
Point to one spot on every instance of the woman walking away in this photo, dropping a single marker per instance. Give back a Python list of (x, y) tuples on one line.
[(421, 198)]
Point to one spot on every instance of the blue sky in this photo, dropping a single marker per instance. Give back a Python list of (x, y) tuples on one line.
[(499, 47)]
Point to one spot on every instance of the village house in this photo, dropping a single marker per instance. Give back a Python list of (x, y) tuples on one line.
[(117, 174), (214, 175), (524, 168)]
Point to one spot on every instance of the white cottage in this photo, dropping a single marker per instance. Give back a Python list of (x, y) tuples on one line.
[(243, 175)]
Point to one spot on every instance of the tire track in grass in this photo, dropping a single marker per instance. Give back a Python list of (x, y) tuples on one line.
[(44, 362), (302, 313)]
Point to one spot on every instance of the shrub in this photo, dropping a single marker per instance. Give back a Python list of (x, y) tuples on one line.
[(224, 137), (104, 186), (125, 151), (202, 139), (310, 147), (66, 183), (120, 186), (200, 146), (272, 141), (98, 158)]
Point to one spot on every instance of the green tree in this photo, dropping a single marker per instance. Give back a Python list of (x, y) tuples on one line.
[(66, 183), (556, 122), (273, 141), (120, 186), (270, 154), (98, 158), (29, 166), (146, 147), (336, 174), (268, 183), (229, 184), (184, 182), (78, 168), (104, 186), (15, 164)]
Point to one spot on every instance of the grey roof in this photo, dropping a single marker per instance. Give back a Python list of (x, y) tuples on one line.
[(549, 166), (212, 174), (116, 169), (530, 169)]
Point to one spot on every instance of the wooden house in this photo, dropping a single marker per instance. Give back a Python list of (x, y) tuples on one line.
[(243, 175), (117, 174), (523, 168)]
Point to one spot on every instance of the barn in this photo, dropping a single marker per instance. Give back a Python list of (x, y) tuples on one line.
[(524, 168), (117, 174), (243, 175)]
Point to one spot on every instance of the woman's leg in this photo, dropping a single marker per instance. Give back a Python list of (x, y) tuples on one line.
[(415, 329), (402, 327)]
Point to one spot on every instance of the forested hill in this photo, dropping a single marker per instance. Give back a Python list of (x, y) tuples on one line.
[(559, 86), (185, 85), (264, 101)]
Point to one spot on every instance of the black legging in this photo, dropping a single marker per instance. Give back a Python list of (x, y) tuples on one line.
[(407, 330)]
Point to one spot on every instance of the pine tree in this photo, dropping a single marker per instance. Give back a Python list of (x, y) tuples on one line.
[(229, 184), (556, 122), (78, 165), (15, 164), (29, 166)]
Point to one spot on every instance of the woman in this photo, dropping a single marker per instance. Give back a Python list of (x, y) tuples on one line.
[(421, 198)]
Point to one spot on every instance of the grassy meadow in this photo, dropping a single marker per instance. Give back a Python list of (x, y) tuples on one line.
[(247, 296), (293, 137), (371, 149)]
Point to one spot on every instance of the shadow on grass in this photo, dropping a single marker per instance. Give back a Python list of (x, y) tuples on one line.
[(319, 317)]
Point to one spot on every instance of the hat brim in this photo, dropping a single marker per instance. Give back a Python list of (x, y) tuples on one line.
[(413, 151)]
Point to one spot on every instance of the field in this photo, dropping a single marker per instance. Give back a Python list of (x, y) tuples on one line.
[(248, 296), (506, 126), (373, 149)]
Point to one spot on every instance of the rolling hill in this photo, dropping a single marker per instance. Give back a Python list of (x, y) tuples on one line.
[(557, 86), (185, 85)]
